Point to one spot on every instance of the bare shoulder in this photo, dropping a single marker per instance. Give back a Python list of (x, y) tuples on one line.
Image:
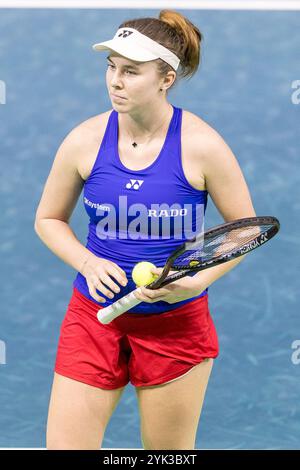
[(197, 140), (196, 131), (86, 139), (203, 143), (92, 125), (207, 154)]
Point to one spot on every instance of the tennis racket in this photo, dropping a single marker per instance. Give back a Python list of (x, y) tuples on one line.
[(207, 249)]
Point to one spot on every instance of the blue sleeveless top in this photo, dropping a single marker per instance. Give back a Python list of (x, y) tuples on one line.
[(140, 215)]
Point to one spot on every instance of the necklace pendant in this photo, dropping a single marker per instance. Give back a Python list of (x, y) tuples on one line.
[(134, 144)]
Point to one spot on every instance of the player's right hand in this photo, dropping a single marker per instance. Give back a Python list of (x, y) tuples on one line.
[(101, 274)]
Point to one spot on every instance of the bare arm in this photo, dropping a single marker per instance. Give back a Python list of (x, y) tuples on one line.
[(228, 189), (59, 198)]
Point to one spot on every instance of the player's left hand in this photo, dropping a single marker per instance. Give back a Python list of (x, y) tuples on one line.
[(183, 289)]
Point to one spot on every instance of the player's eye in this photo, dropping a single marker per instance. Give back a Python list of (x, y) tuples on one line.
[(129, 72)]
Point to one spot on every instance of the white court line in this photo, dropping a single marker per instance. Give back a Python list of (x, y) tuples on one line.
[(183, 4)]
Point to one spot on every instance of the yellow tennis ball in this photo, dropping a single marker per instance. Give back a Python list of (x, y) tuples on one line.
[(142, 275)]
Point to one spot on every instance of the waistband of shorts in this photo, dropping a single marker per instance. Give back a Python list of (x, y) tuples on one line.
[(196, 302)]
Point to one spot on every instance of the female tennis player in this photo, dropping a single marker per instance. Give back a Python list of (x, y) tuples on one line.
[(146, 168)]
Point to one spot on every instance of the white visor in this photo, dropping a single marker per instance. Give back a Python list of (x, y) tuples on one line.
[(134, 45)]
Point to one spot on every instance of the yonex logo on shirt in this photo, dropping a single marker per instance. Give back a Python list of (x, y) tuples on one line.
[(134, 184), (125, 33)]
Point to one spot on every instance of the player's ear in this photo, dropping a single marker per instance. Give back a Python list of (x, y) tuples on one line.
[(169, 79)]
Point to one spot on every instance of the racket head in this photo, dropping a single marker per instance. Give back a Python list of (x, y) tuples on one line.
[(218, 245)]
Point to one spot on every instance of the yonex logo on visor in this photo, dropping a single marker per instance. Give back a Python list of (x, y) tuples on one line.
[(125, 33), (138, 47)]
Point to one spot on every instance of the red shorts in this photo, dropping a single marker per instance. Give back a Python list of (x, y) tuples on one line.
[(145, 349)]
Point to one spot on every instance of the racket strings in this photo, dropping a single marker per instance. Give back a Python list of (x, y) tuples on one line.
[(213, 245)]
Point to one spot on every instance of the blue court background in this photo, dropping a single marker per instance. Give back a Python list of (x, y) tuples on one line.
[(243, 89)]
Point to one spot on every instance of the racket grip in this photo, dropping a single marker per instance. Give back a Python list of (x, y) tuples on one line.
[(107, 314)]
